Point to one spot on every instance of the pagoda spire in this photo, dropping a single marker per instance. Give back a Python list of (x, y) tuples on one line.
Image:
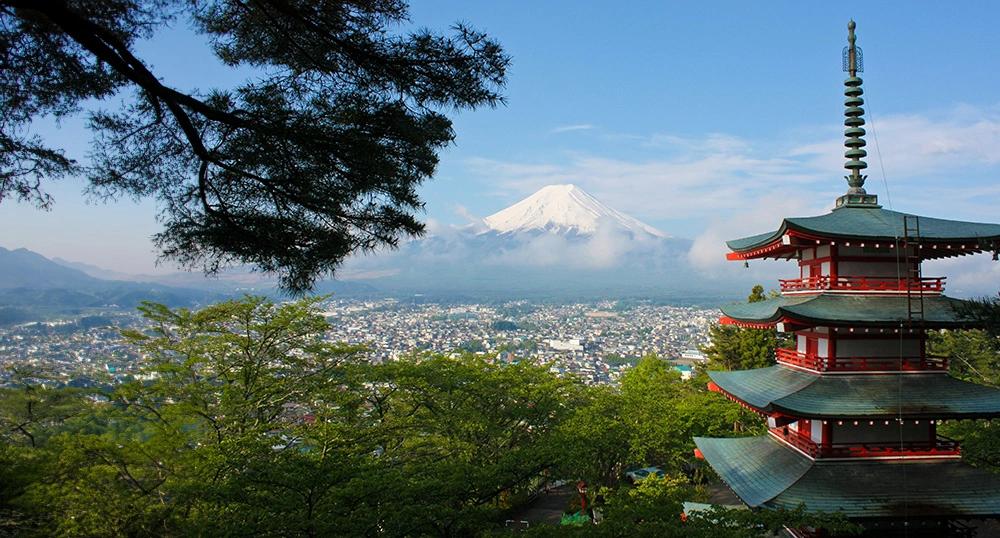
[(854, 121)]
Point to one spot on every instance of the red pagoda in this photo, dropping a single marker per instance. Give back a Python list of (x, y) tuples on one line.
[(853, 408)]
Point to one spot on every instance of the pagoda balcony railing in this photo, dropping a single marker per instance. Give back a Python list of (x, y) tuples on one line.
[(941, 446), (864, 283), (812, 361)]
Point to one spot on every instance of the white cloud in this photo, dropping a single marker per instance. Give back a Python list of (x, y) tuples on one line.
[(915, 145), (685, 187), (697, 176), (472, 222), (968, 276), (570, 128), (607, 247)]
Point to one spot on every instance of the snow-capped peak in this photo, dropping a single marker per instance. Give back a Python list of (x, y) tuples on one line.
[(564, 208)]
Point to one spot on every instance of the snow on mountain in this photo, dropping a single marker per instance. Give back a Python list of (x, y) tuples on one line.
[(564, 209)]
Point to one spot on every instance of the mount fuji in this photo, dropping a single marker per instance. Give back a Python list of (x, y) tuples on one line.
[(558, 242), (565, 209)]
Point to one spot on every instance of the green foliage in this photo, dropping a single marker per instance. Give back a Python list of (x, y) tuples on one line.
[(665, 413), (30, 416), (594, 440), (503, 325), (650, 419), (980, 441), (736, 348), (515, 346), (614, 359), (29, 412), (472, 346), (985, 310), (974, 355), (317, 155)]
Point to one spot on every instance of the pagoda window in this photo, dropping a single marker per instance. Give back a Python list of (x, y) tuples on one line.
[(814, 269), (815, 262), (812, 345), (816, 432), (823, 347)]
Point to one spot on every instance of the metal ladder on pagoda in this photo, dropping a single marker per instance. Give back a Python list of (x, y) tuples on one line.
[(914, 285)]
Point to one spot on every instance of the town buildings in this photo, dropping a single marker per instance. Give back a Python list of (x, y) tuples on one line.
[(594, 342)]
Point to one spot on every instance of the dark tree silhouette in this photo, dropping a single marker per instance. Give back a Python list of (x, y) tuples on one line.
[(318, 155)]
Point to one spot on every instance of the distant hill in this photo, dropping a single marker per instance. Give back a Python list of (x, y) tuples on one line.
[(22, 268), (240, 279), (34, 287), (100, 272)]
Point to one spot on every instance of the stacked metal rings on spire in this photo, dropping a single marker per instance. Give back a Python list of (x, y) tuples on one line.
[(854, 132)]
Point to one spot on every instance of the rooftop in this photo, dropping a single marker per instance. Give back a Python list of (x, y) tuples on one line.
[(875, 224), (765, 473), (852, 310), (809, 395)]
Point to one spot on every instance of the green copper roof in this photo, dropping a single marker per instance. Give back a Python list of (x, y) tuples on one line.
[(802, 394), (843, 309), (872, 223), (764, 472), (757, 471)]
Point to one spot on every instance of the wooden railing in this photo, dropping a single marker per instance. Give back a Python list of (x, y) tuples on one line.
[(864, 283), (812, 361), (942, 446)]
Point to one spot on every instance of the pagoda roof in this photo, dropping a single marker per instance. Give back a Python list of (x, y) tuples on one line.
[(875, 224), (764, 472), (845, 309), (803, 394)]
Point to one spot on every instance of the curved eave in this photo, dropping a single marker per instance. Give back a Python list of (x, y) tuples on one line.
[(757, 469), (942, 238), (832, 309), (787, 391), (726, 320), (765, 473)]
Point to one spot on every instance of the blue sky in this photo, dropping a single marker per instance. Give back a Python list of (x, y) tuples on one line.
[(707, 120)]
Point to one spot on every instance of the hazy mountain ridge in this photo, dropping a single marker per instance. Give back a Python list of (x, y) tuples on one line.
[(230, 280), (37, 287), (22, 268)]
